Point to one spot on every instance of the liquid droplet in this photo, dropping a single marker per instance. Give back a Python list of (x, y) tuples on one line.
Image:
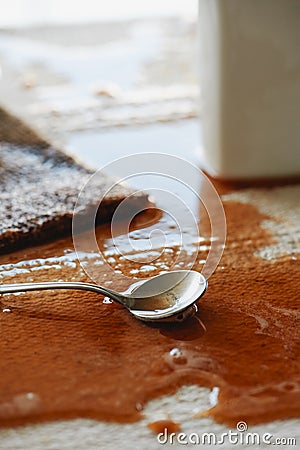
[(175, 352), (177, 356), (138, 406)]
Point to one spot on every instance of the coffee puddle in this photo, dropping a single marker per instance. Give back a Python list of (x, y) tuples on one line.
[(67, 354)]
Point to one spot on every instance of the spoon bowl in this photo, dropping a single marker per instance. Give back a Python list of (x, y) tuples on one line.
[(170, 296)]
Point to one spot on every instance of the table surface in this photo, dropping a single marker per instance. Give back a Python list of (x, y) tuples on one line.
[(119, 89)]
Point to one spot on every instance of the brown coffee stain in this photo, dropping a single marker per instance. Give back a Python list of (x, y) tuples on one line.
[(68, 354), (161, 426)]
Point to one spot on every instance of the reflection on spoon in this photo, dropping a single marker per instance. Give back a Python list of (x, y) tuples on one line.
[(170, 296)]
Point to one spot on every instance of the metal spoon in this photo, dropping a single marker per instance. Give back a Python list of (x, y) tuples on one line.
[(170, 296)]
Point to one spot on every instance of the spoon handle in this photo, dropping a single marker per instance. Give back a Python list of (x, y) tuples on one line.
[(24, 287)]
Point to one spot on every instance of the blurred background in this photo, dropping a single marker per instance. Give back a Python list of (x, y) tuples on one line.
[(103, 79)]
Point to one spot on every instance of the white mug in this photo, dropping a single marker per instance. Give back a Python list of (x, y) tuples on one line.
[(250, 87)]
